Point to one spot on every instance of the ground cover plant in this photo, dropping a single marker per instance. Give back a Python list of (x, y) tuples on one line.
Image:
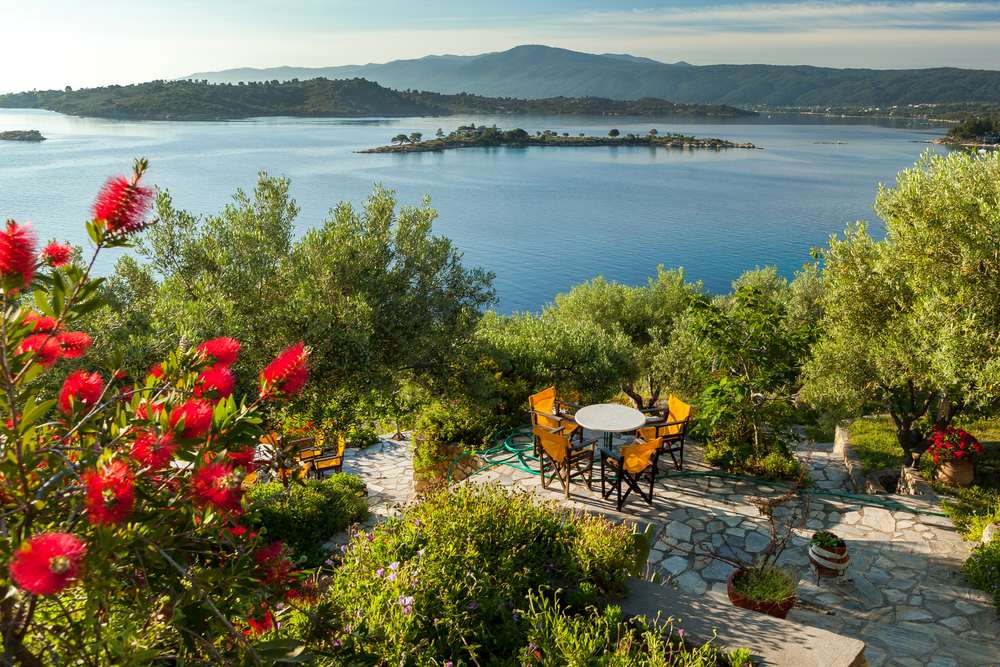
[(448, 581), (305, 515)]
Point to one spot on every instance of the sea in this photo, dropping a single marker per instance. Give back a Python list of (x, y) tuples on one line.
[(541, 219)]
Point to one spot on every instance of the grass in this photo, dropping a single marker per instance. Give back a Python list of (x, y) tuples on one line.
[(874, 440)]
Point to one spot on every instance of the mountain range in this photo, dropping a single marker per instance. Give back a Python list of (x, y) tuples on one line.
[(536, 71)]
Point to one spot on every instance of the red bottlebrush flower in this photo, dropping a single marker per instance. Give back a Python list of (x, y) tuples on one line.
[(156, 371), (272, 565), (47, 563), (215, 383), (82, 387), (154, 451), (223, 351), (197, 416), (306, 593), (122, 204), (17, 253), (42, 324), (217, 485), (243, 532), (46, 347), (243, 458), (260, 625), (286, 374), (74, 344), (57, 254), (110, 494)]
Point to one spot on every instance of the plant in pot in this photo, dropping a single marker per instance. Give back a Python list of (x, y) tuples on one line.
[(953, 450), (828, 554), (762, 584)]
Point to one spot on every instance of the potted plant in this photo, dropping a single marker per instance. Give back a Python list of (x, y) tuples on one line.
[(762, 585), (953, 450), (828, 554)]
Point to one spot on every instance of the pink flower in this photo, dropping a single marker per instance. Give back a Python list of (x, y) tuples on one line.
[(286, 374), (80, 387), (122, 205), (110, 495), (197, 416), (74, 344), (217, 485), (154, 451), (47, 563), (17, 254), (223, 351), (57, 254)]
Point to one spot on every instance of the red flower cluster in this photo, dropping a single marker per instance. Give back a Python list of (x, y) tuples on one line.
[(47, 563), (154, 451), (82, 387), (17, 254), (286, 374), (215, 384), (950, 444), (110, 494), (221, 351), (272, 564), (57, 254), (42, 324), (122, 205), (50, 343), (197, 416), (216, 484)]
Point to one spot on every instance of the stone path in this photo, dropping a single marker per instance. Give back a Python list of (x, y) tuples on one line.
[(906, 597)]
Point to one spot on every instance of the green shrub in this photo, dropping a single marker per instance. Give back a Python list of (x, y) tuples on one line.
[(448, 580), (303, 516), (457, 421), (982, 567), (742, 458)]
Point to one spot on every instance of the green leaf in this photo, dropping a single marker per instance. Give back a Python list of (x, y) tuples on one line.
[(33, 412), (283, 650), (43, 304)]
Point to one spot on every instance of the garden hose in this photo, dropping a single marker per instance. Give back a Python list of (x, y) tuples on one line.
[(506, 452)]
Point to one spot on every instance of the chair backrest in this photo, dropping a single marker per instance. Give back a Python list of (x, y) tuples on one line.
[(636, 458), (556, 446), (341, 445), (308, 454), (679, 412), (327, 463), (544, 401)]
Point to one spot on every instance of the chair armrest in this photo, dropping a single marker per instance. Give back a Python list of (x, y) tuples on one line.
[(650, 410), (605, 454), (583, 445), (567, 403)]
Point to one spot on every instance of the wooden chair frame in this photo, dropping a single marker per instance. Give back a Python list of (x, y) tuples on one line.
[(632, 480), (567, 460), (329, 462), (555, 420), (673, 438)]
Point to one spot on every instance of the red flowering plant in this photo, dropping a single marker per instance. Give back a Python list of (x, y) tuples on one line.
[(953, 444), (121, 506)]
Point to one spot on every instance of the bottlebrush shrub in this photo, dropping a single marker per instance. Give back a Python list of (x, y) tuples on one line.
[(447, 581), (121, 506), (304, 516), (953, 444)]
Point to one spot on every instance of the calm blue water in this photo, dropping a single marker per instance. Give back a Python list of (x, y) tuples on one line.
[(542, 219)]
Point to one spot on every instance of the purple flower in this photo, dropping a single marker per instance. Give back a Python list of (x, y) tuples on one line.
[(418, 522), (474, 606), (468, 574), (449, 664), (328, 561), (515, 617), (394, 565), (343, 548), (406, 602), (680, 633), (391, 577), (436, 621), (421, 552), (379, 572)]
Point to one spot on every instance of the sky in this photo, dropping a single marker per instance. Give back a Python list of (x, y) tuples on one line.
[(57, 43)]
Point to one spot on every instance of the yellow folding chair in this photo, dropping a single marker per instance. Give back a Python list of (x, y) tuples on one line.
[(671, 429), (635, 464), (568, 461), (546, 411), (331, 462)]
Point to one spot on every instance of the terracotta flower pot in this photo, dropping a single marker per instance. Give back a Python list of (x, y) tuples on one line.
[(829, 562), (958, 472), (777, 609)]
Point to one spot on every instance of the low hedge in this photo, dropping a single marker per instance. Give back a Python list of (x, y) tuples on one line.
[(305, 515)]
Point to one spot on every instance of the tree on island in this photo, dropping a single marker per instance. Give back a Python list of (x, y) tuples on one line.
[(401, 138), (440, 133), (416, 137), (613, 133), (653, 132)]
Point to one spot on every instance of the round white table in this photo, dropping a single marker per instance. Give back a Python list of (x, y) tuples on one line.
[(609, 418)]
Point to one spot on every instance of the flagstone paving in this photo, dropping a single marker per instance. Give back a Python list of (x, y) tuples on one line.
[(905, 595)]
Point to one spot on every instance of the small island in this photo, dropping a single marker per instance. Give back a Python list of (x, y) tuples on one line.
[(21, 135), (470, 136)]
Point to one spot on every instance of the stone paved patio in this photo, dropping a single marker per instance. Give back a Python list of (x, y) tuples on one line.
[(906, 596)]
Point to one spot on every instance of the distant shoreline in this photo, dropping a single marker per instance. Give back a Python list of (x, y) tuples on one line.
[(445, 144)]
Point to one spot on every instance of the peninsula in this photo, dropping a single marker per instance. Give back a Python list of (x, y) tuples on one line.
[(346, 98), (21, 135), (470, 136)]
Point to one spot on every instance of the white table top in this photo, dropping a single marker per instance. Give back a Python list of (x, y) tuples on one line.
[(609, 418)]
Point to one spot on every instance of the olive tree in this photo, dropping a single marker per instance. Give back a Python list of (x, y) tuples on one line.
[(913, 321)]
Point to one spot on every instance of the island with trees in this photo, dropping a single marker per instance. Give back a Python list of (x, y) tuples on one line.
[(973, 132), (21, 135), (470, 136), (320, 97)]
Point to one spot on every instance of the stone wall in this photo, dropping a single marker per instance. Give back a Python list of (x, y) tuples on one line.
[(910, 481), (465, 466)]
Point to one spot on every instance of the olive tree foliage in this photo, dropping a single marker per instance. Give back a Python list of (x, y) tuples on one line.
[(913, 320), (654, 321), (377, 297)]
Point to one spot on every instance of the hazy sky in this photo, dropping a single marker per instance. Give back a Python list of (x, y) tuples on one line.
[(54, 43)]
